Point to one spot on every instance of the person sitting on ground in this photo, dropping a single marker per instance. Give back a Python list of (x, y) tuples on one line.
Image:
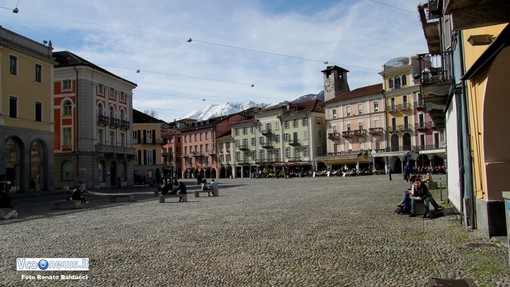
[(421, 192), (432, 200), (77, 195), (6, 204)]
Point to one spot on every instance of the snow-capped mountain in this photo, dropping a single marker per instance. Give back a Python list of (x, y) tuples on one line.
[(232, 108), (222, 110)]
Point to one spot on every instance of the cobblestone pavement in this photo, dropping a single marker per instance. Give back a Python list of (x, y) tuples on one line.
[(258, 232)]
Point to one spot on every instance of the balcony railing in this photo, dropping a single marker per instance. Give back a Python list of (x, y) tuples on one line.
[(347, 134), (294, 158), (404, 106), (391, 108), (267, 132), (114, 123), (102, 120), (405, 128), (294, 142), (101, 148), (244, 147), (430, 147), (360, 133), (334, 136), (267, 144), (124, 125), (392, 129), (400, 148), (420, 104), (197, 154), (376, 131)]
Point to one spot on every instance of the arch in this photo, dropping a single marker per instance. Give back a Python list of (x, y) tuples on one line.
[(390, 82), (495, 131), (397, 82), (404, 80), (112, 112), (100, 109)]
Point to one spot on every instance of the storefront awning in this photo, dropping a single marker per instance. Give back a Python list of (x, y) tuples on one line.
[(351, 159)]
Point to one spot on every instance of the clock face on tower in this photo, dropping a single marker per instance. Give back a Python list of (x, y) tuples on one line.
[(329, 86)]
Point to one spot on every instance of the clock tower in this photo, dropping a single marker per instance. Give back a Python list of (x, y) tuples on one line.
[(335, 82)]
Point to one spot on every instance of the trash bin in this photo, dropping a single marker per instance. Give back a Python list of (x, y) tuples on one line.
[(506, 196)]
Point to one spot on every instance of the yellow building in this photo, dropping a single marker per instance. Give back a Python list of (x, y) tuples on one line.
[(147, 141), (26, 121), (486, 82)]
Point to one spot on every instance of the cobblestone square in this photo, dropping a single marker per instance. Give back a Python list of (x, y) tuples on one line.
[(259, 232)]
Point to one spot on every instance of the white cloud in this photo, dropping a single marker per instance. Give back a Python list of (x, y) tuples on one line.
[(151, 36)]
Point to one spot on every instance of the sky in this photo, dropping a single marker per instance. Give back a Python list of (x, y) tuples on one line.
[(265, 51)]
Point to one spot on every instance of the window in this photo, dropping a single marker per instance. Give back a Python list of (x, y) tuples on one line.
[(305, 151), (123, 96), (100, 110), (305, 122), (252, 141), (122, 115), (101, 136), (348, 127), (334, 113), (360, 125), (101, 89), (13, 107), (66, 85), (397, 82), (67, 108), (277, 138), (13, 65), (38, 111), (390, 83), (66, 137), (376, 123), (348, 110), (376, 106), (201, 136), (305, 135), (319, 120), (236, 131), (319, 151), (286, 124), (295, 124), (244, 131), (122, 140), (38, 73), (404, 80), (360, 109), (287, 152), (112, 138)]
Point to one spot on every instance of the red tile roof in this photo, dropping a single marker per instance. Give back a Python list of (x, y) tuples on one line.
[(359, 92)]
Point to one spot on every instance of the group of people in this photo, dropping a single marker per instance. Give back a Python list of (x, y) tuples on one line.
[(417, 191), (168, 187)]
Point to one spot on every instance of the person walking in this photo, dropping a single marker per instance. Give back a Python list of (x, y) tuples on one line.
[(389, 172)]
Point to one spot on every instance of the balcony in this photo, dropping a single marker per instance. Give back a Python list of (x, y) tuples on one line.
[(102, 121), (124, 125), (419, 105), (110, 149), (376, 131), (267, 144), (244, 147), (431, 147), (436, 78), (347, 134), (468, 14), (400, 148), (294, 142), (404, 107), (393, 129), (405, 128), (267, 132), (392, 108), (334, 136), (360, 133), (114, 123), (197, 154)]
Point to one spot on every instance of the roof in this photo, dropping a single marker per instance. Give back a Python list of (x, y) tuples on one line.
[(359, 92), (139, 117), (335, 68), (69, 59), (314, 105)]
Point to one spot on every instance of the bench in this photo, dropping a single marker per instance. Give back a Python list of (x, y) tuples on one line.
[(432, 185), (67, 204), (129, 197), (182, 197), (209, 191)]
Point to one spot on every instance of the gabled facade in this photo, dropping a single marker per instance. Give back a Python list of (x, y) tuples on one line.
[(93, 116), (26, 121), (356, 125), (147, 141), (172, 147)]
